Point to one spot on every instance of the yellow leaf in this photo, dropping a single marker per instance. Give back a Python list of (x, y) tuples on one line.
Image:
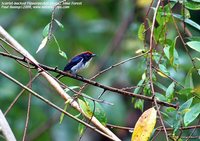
[(144, 125), (143, 3), (162, 74)]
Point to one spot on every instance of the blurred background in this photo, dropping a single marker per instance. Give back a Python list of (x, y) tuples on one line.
[(107, 28)]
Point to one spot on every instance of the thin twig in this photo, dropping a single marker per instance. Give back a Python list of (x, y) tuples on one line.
[(113, 66), (53, 105), (52, 19), (17, 97), (28, 107), (157, 129), (182, 40), (150, 69), (94, 83), (192, 132), (53, 82)]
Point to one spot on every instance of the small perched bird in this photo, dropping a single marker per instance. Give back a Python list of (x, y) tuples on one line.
[(78, 62)]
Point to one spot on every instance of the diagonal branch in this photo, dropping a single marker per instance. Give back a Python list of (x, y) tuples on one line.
[(53, 105), (94, 83), (5, 128), (54, 83)]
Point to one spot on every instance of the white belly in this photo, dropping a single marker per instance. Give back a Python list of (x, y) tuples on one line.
[(79, 66)]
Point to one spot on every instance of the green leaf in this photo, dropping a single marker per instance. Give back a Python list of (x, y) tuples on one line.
[(136, 91), (141, 32), (81, 129), (163, 69), (185, 105), (42, 44), (176, 125), (188, 21), (59, 24), (192, 114), (71, 88), (99, 112), (170, 116), (170, 91), (185, 13), (194, 45), (163, 15), (189, 80), (170, 109), (85, 107), (161, 86), (62, 114), (196, 1), (62, 53), (160, 97), (45, 31), (194, 38), (160, 34), (192, 5), (139, 104), (185, 91), (171, 53)]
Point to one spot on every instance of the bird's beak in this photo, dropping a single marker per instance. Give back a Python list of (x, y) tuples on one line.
[(93, 55)]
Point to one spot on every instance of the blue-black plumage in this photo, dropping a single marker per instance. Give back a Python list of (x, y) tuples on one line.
[(79, 62)]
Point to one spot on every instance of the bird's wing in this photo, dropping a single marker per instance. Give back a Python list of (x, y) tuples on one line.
[(73, 63)]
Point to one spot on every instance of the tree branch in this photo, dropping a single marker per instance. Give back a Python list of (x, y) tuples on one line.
[(94, 83), (5, 128), (53, 105), (54, 83)]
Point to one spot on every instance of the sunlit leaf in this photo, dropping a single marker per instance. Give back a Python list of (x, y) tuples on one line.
[(164, 70), (143, 3), (59, 24), (70, 88), (63, 54), (99, 112), (192, 114), (81, 128), (192, 5), (197, 90), (185, 91), (144, 126), (85, 107), (141, 32), (194, 45), (185, 13), (42, 45), (62, 114)]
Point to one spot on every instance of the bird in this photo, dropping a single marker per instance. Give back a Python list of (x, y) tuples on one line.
[(78, 62)]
